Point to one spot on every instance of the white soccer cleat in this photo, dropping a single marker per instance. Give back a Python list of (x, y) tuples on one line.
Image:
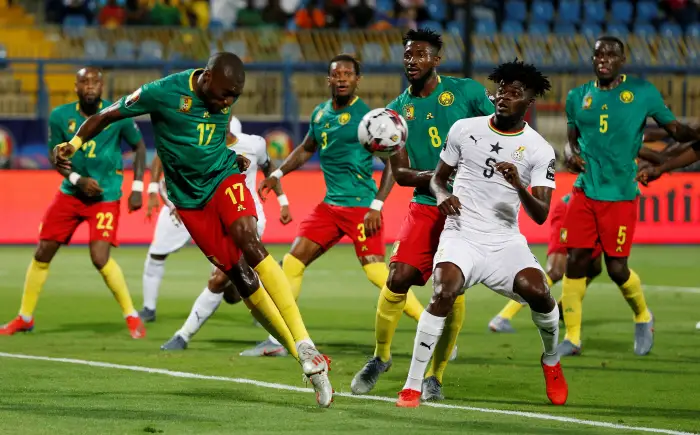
[(697, 326), (312, 361), (322, 387)]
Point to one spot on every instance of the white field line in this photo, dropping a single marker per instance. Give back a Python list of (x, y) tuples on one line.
[(532, 415)]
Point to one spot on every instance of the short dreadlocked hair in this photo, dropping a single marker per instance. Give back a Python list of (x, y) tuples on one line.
[(424, 35), (524, 73)]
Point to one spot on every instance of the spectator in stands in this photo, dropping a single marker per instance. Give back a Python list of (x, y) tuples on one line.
[(334, 13), (112, 15), (198, 13), (227, 12), (361, 15), (164, 14), (310, 17), (406, 19), (136, 12), (76, 7), (684, 12), (273, 14), (250, 16), (418, 5)]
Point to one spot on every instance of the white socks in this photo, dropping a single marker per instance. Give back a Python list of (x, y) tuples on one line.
[(548, 325), (153, 271), (205, 305), (427, 334)]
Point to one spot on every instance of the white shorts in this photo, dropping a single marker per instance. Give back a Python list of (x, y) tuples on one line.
[(494, 266), (169, 237)]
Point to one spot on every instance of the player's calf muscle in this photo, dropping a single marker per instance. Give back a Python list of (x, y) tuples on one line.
[(245, 234)]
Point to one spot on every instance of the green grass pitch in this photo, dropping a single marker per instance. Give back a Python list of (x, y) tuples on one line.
[(77, 318)]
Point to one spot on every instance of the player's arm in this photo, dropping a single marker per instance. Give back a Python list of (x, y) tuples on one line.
[(268, 167), (447, 203), (385, 184), (294, 161), (130, 132), (574, 161), (373, 217), (663, 116), (405, 175), (687, 157)]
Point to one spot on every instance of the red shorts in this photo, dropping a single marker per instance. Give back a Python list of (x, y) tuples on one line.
[(609, 223), (66, 212), (418, 239), (327, 224), (209, 226), (555, 245)]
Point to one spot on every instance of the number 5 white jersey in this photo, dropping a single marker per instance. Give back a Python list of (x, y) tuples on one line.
[(490, 205)]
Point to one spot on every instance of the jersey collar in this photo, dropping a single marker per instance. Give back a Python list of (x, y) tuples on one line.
[(191, 79), (439, 80), (505, 133), (77, 106), (624, 79)]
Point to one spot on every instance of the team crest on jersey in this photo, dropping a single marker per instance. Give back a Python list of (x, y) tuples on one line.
[(626, 97), (71, 126), (185, 104), (563, 235), (446, 98), (133, 98), (518, 154), (587, 102), (409, 112), (344, 118), (319, 114)]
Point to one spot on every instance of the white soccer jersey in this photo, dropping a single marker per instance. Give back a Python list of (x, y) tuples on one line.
[(490, 205), (254, 148)]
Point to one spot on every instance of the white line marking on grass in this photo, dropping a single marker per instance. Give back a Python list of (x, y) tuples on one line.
[(533, 415), (654, 288)]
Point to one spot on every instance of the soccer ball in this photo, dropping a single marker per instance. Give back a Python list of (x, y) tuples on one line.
[(382, 132)]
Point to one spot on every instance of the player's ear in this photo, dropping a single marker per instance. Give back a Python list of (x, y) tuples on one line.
[(437, 60)]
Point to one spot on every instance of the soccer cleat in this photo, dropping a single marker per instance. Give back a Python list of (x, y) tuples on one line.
[(502, 325), (697, 326), (17, 325), (322, 386), (453, 355), (432, 390), (557, 390), (312, 361), (147, 315), (175, 343), (136, 327), (365, 380), (567, 348), (408, 399), (644, 337), (266, 348)]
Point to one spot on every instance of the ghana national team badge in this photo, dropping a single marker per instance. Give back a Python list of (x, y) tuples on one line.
[(71, 126), (563, 235), (344, 118), (587, 101), (409, 112), (626, 97), (446, 98), (185, 104), (518, 154), (319, 115)]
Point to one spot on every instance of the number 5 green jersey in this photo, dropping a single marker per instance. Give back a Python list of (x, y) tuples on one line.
[(610, 125), (190, 141), (430, 118)]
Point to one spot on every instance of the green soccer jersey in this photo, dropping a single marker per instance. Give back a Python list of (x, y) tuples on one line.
[(430, 118), (610, 125), (190, 141), (99, 158), (346, 165)]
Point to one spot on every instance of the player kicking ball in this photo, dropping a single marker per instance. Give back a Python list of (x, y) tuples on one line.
[(496, 158), (90, 193), (190, 113)]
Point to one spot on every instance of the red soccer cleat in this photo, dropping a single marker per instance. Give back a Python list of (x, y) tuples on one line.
[(557, 390), (408, 399), (17, 325), (136, 327)]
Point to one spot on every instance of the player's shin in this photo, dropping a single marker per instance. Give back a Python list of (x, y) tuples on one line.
[(389, 309), (634, 295), (153, 271), (114, 278), (548, 327), (205, 305), (265, 311), (427, 335), (294, 271), (37, 272), (573, 290), (448, 339)]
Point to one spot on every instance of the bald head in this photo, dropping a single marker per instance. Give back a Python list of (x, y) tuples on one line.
[(88, 70), (227, 65), (88, 87), (222, 81)]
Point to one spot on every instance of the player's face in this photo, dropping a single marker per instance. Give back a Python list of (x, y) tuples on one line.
[(88, 86), (419, 60), (342, 79), (512, 99), (607, 60), (221, 91)]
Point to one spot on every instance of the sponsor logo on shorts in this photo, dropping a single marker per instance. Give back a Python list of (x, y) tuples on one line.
[(563, 235), (446, 98), (241, 208), (133, 98), (105, 234), (626, 97), (206, 115), (344, 118)]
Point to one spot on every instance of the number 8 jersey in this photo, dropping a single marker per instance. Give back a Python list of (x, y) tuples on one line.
[(430, 118)]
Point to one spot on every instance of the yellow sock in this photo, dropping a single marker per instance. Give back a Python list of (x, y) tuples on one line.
[(389, 309), (413, 307), (378, 274), (277, 286), (448, 339), (114, 278), (510, 310), (571, 302), (266, 313), (550, 283), (633, 293), (33, 283), (294, 271)]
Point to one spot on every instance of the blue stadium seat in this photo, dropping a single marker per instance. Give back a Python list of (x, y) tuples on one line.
[(693, 30), (485, 27), (512, 27), (74, 26), (437, 10), (591, 30), (516, 10), (621, 11), (542, 11), (618, 29), (372, 53), (124, 50), (291, 25), (670, 30), (564, 29), (95, 49), (291, 51), (396, 53), (644, 30), (385, 6), (646, 11), (216, 29), (538, 29), (238, 47), (348, 47), (569, 11), (150, 50), (593, 11), (432, 25), (456, 28)]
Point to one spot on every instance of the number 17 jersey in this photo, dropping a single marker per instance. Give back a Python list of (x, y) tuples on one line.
[(430, 118)]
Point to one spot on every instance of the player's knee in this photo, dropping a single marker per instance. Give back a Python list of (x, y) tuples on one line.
[(400, 279), (231, 294), (443, 299), (99, 259), (577, 263), (530, 285), (595, 269), (618, 271), (45, 251), (244, 279), (217, 282), (556, 274)]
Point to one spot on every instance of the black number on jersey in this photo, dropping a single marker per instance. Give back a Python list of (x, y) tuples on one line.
[(488, 172)]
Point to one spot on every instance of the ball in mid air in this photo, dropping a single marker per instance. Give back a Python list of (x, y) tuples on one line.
[(382, 132)]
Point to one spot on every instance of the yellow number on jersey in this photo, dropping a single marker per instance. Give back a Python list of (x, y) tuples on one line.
[(324, 136), (604, 123), (239, 188), (362, 237), (101, 218), (435, 137), (205, 127), (91, 144)]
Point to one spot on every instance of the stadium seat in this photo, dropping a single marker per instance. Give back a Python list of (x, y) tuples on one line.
[(124, 50), (385, 6), (485, 27), (621, 11), (542, 11), (594, 11), (516, 10), (538, 29), (291, 52), (236, 46), (693, 30), (456, 28), (372, 53), (95, 49), (564, 29), (591, 30), (437, 10), (348, 47), (618, 29), (74, 26), (670, 30), (644, 30), (569, 11), (216, 28), (432, 25), (646, 11), (396, 53), (150, 50), (512, 28)]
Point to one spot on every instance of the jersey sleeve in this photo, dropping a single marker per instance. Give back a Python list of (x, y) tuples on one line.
[(130, 132), (571, 102), (310, 133), (451, 149), (544, 167), (142, 101), (55, 130), (479, 99), (656, 108), (261, 151)]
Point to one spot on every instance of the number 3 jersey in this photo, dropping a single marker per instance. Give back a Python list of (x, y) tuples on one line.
[(490, 205)]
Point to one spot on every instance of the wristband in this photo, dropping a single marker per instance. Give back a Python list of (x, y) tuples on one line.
[(283, 201), (73, 178), (277, 173), (77, 142), (137, 186), (153, 187), (376, 205)]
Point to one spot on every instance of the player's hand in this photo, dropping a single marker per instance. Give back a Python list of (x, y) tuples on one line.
[(373, 222), (648, 174), (89, 186), (285, 215), (135, 201), (62, 154), (243, 162), (175, 216), (510, 173), (449, 206), (576, 164), (266, 186), (153, 205)]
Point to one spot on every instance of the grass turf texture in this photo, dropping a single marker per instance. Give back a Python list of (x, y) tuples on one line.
[(78, 318)]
